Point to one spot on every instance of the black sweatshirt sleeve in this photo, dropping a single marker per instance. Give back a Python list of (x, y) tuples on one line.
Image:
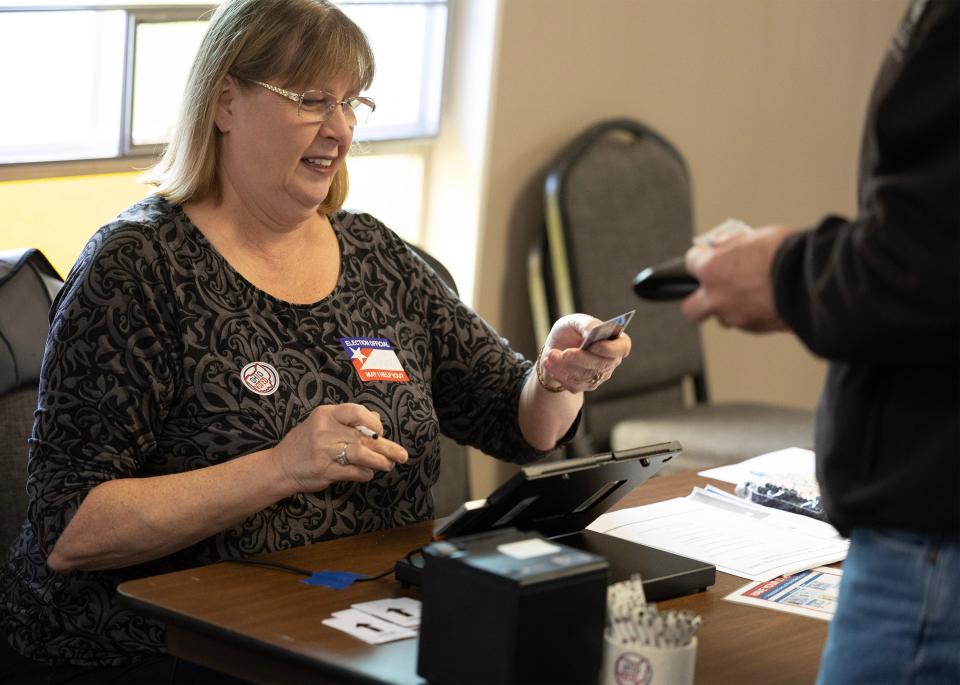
[(884, 286)]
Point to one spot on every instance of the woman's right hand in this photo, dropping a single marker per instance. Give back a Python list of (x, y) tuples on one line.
[(307, 455), (127, 521)]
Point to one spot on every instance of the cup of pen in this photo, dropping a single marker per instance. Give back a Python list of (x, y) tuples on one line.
[(643, 646), (639, 664)]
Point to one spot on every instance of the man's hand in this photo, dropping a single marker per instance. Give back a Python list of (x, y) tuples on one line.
[(735, 280)]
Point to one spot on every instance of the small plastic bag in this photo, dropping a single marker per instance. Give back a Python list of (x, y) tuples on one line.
[(797, 498)]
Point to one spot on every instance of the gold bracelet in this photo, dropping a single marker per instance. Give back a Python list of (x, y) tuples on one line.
[(542, 382)]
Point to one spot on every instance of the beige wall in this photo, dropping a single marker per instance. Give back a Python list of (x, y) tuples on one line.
[(765, 98), (58, 215)]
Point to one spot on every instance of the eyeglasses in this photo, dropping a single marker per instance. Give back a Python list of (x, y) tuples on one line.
[(317, 105)]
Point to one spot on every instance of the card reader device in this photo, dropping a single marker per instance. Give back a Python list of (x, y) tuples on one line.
[(510, 607)]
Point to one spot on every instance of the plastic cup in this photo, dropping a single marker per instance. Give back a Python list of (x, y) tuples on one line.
[(644, 665)]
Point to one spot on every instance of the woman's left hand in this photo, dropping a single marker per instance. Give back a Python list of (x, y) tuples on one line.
[(565, 364)]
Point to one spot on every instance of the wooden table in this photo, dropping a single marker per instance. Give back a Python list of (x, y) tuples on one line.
[(265, 625)]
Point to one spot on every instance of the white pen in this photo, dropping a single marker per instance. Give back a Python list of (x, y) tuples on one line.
[(363, 430)]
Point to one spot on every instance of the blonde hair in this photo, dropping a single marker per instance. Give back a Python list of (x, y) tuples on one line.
[(292, 43)]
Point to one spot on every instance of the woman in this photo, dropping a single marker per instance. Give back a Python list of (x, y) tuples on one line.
[(235, 366)]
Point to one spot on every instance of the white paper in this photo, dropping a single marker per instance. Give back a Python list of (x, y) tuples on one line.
[(368, 628), (790, 470), (789, 462), (404, 611), (752, 542)]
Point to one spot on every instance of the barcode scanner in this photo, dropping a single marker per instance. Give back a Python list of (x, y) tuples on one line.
[(667, 281)]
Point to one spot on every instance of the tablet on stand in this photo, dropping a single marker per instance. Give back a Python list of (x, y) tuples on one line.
[(560, 499)]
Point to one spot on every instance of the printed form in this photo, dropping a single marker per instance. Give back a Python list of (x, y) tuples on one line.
[(807, 593), (736, 536)]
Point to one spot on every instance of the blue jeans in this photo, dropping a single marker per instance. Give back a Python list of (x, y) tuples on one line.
[(898, 617)]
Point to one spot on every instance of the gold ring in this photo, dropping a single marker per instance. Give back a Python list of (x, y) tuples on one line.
[(597, 378), (341, 457)]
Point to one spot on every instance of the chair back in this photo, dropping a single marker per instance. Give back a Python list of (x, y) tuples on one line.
[(16, 424), (436, 265), (28, 284), (453, 486), (618, 199)]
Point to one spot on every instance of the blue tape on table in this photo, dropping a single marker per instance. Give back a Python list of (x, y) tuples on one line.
[(335, 579)]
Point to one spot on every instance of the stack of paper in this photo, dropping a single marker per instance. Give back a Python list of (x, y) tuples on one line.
[(736, 536)]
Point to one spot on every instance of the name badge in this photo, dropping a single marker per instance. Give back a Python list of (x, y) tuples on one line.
[(374, 359)]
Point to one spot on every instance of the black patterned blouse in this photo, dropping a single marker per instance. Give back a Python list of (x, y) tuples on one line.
[(162, 358)]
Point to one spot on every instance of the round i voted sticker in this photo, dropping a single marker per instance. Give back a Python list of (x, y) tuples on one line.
[(260, 378)]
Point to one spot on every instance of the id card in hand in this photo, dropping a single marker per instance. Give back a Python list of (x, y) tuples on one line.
[(722, 232), (608, 330)]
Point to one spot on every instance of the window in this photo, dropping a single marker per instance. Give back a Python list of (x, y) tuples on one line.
[(391, 186), (62, 102), (105, 80), (159, 75), (84, 89), (409, 71)]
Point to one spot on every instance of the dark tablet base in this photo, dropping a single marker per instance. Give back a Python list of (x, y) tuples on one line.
[(664, 574)]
